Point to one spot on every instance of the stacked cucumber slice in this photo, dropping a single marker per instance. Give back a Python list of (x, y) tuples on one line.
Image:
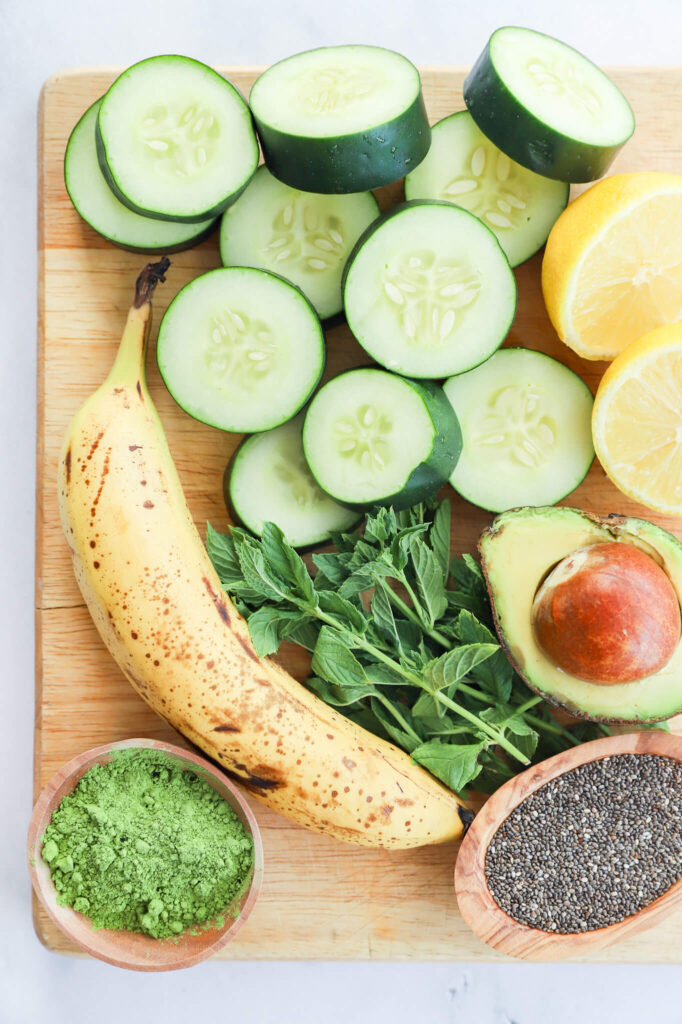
[(547, 106), (341, 118), (99, 207), (175, 140), (427, 287)]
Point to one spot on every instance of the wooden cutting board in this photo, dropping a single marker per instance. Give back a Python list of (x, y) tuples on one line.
[(321, 899)]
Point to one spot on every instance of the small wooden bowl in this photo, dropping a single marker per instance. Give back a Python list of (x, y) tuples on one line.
[(134, 950), (476, 904)]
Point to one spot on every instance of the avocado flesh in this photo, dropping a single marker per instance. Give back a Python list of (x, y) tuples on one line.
[(518, 551)]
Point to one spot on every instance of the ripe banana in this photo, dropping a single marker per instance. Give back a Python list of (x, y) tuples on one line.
[(159, 607)]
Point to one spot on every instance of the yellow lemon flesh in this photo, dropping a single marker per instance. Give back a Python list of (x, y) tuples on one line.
[(637, 420), (612, 269)]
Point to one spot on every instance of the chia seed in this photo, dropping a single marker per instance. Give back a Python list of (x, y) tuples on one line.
[(591, 847)]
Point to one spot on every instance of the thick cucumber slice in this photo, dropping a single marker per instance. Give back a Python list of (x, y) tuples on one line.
[(372, 438), (428, 291), (526, 428), (546, 106), (99, 207), (341, 118), (268, 479), (465, 168), (240, 349), (175, 139), (304, 236)]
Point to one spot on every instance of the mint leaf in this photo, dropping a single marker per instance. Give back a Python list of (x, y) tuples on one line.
[(451, 668), (257, 575), (380, 526), (456, 765), (335, 662), (496, 675), (302, 630), (382, 614), (383, 675), (440, 537), (266, 629), (429, 578), (274, 549), (336, 695), (333, 565), (347, 614)]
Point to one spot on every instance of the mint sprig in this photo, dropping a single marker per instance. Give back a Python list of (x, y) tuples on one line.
[(401, 640)]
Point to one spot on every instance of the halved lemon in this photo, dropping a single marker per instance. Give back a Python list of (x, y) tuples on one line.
[(637, 420), (612, 269)]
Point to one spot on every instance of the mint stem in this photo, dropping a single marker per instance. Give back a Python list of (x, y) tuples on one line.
[(416, 680)]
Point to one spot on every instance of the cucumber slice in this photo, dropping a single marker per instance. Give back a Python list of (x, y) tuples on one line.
[(268, 479), (99, 207), (240, 349), (175, 139), (526, 427), (341, 118), (428, 291), (372, 438), (546, 106), (304, 236), (465, 168)]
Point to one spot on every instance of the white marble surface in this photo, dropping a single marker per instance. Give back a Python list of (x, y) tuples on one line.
[(37, 38)]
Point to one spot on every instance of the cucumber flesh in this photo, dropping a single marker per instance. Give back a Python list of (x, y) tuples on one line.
[(465, 168), (240, 349), (428, 291), (372, 438), (269, 479), (99, 207), (175, 139), (304, 236), (547, 106), (341, 118), (526, 426)]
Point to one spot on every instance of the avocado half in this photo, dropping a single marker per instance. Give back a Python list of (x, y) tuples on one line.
[(517, 552)]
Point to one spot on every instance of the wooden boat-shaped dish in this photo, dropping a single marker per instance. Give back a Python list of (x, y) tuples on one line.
[(476, 904)]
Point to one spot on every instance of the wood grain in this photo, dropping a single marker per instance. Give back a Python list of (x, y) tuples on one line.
[(320, 899), (476, 903)]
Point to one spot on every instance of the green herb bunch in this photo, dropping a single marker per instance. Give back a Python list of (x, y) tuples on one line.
[(401, 640)]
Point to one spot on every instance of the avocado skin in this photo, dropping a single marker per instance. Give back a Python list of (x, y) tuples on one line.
[(611, 527)]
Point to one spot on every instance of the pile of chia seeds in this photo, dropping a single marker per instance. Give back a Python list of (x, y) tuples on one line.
[(591, 847)]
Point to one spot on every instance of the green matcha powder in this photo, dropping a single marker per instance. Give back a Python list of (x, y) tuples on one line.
[(144, 845)]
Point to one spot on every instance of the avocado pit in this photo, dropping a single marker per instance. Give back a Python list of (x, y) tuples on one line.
[(607, 614)]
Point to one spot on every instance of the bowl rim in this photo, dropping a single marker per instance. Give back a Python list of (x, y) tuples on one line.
[(476, 904), (44, 888)]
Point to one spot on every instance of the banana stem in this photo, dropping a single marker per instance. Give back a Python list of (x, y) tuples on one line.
[(129, 365)]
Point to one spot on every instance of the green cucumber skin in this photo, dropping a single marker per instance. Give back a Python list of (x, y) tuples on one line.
[(523, 136), (238, 521), (349, 163), (429, 476)]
